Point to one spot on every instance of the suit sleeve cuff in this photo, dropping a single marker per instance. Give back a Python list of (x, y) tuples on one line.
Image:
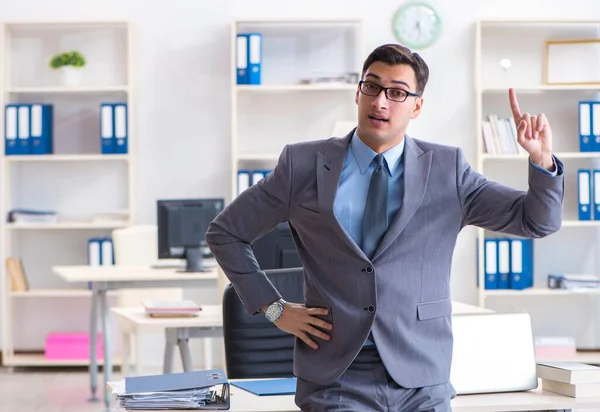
[(541, 169)]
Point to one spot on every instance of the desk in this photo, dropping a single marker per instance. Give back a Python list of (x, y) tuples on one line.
[(207, 324), (535, 400), (105, 278)]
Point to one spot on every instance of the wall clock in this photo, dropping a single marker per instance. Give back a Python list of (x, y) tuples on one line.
[(416, 25)]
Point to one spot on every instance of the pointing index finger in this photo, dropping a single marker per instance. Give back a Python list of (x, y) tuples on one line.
[(514, 104)]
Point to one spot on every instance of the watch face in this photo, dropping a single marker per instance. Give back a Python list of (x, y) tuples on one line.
[(273, 312), (416, 25)]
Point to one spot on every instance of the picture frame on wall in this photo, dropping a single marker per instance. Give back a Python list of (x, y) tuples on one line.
[(572, 62)]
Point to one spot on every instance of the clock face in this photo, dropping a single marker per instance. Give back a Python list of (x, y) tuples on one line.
[(416, 25)]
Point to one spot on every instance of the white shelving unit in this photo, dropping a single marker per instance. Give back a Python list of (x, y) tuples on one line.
[(576, 247), (77, 180), (282, 110)]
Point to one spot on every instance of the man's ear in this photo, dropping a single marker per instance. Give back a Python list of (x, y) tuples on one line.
[(417, 108)]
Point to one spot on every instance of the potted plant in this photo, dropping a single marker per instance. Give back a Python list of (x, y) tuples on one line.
[(71, 65)]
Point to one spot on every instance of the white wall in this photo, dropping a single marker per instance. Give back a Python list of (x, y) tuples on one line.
[(182, 81)]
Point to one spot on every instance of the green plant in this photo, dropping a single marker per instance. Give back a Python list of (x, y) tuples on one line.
[(72, 58)]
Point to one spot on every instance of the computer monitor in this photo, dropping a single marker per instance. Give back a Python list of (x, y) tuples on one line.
[(276, 249), (182, 226)]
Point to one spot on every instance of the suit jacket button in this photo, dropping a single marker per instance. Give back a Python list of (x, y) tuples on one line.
[(371, 309), (369, 269)]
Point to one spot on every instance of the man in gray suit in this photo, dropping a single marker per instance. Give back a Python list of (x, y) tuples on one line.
[(375, 216)]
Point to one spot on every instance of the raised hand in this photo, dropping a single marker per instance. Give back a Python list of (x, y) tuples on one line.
[(302, 322), (533, 134)]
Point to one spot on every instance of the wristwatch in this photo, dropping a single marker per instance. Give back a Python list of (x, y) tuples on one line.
[(275, 310)]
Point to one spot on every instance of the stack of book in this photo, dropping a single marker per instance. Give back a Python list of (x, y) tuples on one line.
[(170, 309), (573, 379)]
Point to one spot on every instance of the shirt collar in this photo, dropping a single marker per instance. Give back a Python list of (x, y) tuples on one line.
[(364, 155)]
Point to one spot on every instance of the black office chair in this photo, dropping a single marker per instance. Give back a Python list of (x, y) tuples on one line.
[(254, 347)]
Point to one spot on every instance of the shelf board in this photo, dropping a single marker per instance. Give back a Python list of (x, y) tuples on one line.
[(300, 21), (542, 88), (581, 223), (66, 225), (560, 155), (67, 158), (55, 293), (295, 88), (61, 89), (38, 359), (540, 291), (258, 156)]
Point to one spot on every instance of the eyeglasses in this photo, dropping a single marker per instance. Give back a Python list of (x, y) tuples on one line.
[(391, 93)]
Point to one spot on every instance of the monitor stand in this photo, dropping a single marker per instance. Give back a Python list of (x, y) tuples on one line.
[(194, 260)]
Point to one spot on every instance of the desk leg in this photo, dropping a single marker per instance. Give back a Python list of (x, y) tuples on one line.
[(186, 356), (93, 345), (107, 346), (170, 341), (127, 351), (207, 353)]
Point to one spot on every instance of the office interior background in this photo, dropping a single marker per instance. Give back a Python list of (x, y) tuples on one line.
[(185, 106)]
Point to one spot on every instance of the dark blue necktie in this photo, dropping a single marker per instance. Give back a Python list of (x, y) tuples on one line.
[(375, 220)]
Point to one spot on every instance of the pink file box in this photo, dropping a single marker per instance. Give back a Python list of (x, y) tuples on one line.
[(74, 346)]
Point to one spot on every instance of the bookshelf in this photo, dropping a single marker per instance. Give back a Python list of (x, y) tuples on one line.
[(76, 180), (575, 248), (282, 109)]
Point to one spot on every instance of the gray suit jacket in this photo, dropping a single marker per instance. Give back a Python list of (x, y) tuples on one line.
[(403, 293)]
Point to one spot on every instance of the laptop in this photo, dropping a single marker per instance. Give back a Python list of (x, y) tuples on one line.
[(493, 352)]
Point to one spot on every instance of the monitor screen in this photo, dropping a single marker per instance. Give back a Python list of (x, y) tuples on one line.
[(182, 226)]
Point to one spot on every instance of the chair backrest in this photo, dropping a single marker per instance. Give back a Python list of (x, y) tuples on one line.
[(254, 347), (138, 246)]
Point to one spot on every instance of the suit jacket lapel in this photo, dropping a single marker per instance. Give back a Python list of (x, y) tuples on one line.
[(417, 165), (329, 168)]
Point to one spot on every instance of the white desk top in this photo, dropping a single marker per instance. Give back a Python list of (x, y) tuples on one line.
[(209, 316), (243, 401), (127, 273), (459, 308)]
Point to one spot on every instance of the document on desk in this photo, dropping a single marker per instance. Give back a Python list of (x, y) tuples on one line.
[(268, 387), (199, 390)]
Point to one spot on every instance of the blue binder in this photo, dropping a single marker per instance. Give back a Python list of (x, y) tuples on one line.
[(596, 192), (10, 129), (584, 193), (121, 128), (241, 58), (490, 264), (595, 126), (521, 268), (244, 180), (503, 263), (268, 387), (23, 129), (94, 252), (257, 176), (107, 128), (42, 134), (585, 127), (254, 58)]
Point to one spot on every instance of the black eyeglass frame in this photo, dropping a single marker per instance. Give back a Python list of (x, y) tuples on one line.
[(385, 90)]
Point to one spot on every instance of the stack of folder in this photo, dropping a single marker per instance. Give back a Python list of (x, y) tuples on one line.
[(573, 379), (199, 390), (508, 263), (170, 309)]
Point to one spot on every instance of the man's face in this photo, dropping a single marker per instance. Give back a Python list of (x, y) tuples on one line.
[(383, 122)]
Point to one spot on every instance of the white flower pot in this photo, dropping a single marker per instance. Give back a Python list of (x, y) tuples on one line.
[(71, 76)]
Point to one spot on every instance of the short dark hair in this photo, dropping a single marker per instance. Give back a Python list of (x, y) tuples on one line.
[(397, 54)]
